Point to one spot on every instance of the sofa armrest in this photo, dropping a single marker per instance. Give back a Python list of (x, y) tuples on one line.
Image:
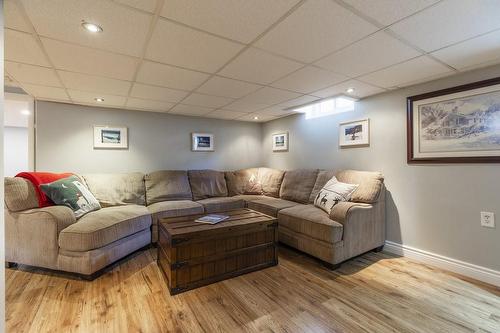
[(31, 236), (344, 209), (364, 226)]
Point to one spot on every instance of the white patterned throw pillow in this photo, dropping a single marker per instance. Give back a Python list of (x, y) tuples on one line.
[(333, 192)]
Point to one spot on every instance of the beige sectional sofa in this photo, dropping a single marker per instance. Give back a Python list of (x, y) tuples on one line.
[(132, 204)]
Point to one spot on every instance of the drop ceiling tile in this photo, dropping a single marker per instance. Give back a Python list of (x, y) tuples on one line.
[(143, 104), (146, 5), (169, 76), (32, 74), (81, 59), (260, 117), (190, 110), (206, 100), (275, 111), (13, 17), (241, 20), (225, 114), (257, 66), (157, 93), (476, 51), (389, 11), (308, 79), (244, 106), (98, 84), (220, 86), (315, 29), (181, 46), (370, 54), (361, 89), (268, 95), (449, 22), (44, 92), (86, 97), (409, 71), (299, 101), (22, 47), (124, 29)]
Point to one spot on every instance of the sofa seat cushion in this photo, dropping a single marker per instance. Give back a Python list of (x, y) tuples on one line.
[(103, 227), (250, 197), (310, 221), (270, 206), (214, 205), (174, 208)]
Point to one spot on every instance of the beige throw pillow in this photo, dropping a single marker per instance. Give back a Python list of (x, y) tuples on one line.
[(333, 192)]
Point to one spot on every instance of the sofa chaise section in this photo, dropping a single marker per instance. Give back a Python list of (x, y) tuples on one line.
[(351, 229), (51, 237)]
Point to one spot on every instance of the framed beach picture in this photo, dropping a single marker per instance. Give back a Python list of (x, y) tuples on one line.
[(354, 133), (109, 137), (202, 142), (280, 141), (455, 125)]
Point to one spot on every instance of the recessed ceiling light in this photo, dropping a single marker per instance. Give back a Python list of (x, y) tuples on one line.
[(255, 118), (25, 112), (99, 99), (91, 27), (350, 90)]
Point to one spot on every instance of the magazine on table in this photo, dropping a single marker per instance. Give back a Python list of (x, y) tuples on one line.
[(212, 218)]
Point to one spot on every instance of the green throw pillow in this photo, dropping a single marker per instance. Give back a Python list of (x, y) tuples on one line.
[(72, 193)]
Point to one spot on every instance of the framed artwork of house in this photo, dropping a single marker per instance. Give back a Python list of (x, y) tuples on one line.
[(455, 125)]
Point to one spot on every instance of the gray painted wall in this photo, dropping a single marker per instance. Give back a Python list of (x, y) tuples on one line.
[(431, 207), (64, 137)]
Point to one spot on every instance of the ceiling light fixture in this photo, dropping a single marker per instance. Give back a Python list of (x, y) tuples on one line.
[(25, 112), (91, 27), (99, 99), (350, 90), (255, 118)]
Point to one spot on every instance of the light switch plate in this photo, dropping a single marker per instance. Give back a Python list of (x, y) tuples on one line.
[(488, 219)]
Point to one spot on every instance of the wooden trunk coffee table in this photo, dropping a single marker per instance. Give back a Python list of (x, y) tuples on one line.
[(193, 254)]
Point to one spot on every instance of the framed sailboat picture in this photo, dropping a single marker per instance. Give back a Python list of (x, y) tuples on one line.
[(455, 125)]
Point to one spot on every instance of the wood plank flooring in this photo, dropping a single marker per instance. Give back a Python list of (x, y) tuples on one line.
[(372, 293)]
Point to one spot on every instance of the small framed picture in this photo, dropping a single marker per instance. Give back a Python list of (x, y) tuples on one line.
[(280, 142), (354, 133), (109, 137), (202, 142)]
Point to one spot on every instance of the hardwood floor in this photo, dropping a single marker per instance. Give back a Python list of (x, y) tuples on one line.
[(372, 293)]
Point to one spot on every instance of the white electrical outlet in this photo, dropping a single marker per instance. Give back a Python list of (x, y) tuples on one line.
[(488, 219)]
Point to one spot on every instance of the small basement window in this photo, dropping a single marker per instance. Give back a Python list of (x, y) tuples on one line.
[(327, 107)]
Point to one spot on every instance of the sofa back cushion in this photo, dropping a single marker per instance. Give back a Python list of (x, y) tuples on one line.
[(117, 189), (270, 180), (20, 194), (323, 177), (244, 181), (166, 185), (370, 184), (207, 184), (298, 184)]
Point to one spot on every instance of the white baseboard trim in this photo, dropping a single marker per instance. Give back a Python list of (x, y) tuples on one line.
[(470, 270)]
